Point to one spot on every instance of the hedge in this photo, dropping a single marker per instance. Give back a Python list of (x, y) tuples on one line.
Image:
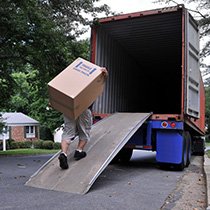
[(38, 144)]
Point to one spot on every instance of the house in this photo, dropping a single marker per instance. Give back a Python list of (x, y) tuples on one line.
[(19, 127)]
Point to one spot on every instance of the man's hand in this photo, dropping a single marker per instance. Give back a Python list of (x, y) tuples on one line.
[(104, 72)]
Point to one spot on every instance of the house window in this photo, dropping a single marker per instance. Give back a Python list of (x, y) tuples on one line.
[(30, 131)]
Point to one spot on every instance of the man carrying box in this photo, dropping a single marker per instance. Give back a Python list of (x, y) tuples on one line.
[(80, 126)]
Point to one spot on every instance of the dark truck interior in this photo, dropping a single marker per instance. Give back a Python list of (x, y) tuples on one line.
[(144, 58)]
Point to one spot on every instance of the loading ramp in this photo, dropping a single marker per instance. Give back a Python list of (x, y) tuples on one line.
[(108, 136)]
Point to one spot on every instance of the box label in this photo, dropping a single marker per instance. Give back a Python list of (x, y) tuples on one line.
[(84, 68)]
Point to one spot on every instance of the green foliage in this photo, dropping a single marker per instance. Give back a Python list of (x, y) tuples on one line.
[(25, 91), (45, 133), (47, 118), (27, 152), (9, 142), (38, 144), (1, 123), (72, 14), (20, 144), (7, 145), (41, 144), (47, 145), (38, 39), (57, 145)]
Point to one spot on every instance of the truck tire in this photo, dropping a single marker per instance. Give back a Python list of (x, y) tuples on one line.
[(198, 146), (123, 156), (115, 160), (189, 147), (181, 166)]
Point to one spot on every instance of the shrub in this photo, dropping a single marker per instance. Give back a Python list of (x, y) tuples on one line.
[(47, 145), (8, 144), (27, 144), (9, 141), (38, 144), (14, 145), (207, 138), (56, 145)]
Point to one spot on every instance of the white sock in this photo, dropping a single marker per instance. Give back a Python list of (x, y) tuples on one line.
[(64, 153), (79, 150)]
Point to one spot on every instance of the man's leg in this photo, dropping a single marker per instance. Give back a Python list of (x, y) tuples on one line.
[(79, 153), (63, 155), (84, 124), (81, 144), (69, 133), (65, 146)]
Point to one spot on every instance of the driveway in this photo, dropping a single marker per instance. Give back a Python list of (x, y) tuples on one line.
[(139, 185)]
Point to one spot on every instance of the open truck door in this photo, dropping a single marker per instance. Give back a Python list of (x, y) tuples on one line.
[(192, 67)]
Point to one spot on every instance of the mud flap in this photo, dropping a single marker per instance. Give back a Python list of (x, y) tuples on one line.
[(169, 147)]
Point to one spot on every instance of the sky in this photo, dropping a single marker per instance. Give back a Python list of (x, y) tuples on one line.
[(127, 6)]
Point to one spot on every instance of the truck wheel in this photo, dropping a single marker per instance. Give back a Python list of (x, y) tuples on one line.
[(198, 146), (124, 155), (115, 160), (188, 142), (181, 166)]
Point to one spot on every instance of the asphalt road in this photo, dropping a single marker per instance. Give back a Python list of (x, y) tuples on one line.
[(137, 186)]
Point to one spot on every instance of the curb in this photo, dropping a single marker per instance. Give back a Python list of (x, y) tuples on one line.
[(207, 174)]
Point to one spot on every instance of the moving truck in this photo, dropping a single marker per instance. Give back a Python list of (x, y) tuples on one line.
[(153, 62)]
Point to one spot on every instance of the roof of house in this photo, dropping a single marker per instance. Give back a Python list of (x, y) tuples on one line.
[(17, 118)]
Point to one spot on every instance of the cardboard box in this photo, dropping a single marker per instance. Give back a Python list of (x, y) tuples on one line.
[(76, 88)]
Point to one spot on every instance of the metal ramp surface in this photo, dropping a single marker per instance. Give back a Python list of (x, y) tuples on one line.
[(108, 136)]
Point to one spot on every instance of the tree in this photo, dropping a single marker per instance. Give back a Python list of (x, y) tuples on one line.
[(25, 89), (38, 39), (40, 33), (71, 14), (1, 123), (27, 38)]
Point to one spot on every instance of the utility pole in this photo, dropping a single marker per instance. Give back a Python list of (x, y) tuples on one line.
[(4, 139)]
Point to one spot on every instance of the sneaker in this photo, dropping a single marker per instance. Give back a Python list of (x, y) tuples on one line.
[(79, 155), (63, 161)]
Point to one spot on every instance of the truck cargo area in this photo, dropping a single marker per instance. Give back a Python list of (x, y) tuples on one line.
[(107, 138), (143, 54)]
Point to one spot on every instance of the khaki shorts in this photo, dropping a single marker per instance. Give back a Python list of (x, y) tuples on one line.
[(81, 127)]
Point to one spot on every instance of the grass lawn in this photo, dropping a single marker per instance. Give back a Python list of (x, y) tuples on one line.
[(208, 151), (207, 144), (28, 152)]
